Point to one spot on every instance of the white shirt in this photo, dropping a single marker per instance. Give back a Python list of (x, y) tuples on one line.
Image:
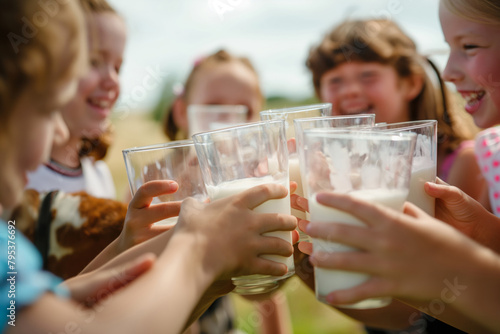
[(95, 179)]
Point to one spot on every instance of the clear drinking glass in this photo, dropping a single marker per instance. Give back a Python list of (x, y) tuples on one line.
[(207, 117), (289, 115), (325, 122), (424, 159), (373, 166), (235, 159), (175, 161)]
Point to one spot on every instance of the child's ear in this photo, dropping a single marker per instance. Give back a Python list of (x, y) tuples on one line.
[(180, 114), (414, 85)]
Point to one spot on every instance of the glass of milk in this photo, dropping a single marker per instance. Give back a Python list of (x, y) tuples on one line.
[(289, 115), (175, 161), (372, 165), (326, 122), (424, 159), (235, 159), (205, 117)]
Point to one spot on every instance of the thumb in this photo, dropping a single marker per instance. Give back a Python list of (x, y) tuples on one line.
[(449, 194)]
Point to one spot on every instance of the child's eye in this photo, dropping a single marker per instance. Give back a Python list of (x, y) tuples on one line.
[(94, 62)]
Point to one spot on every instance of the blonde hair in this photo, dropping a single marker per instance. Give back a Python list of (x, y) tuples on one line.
[(41, 51), (383, 41), (220, 57), (480, 11)]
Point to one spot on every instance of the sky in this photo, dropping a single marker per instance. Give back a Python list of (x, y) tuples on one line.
[(165, 37)]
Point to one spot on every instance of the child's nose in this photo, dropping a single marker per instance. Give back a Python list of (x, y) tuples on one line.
[(110, 78), (452, 71), (350, 88)]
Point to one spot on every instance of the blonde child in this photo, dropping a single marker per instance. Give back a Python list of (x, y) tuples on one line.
[(372, 66), (39, 77), (77, 164), (417, 258), (220, 78)]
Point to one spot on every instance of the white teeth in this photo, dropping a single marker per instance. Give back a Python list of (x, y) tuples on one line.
[(473, 97), (101, 104)]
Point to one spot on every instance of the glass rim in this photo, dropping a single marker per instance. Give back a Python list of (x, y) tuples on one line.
[(232, 128), (171, 144), (212, 108), (359, 133), (319, 118), (296, 109), (411, 125)]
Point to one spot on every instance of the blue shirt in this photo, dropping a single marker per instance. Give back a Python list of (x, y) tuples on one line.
[(22, 279)]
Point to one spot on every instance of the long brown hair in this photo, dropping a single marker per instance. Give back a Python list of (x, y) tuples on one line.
[(383, 41)]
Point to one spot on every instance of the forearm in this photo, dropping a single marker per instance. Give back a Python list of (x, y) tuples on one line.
[(160, 301), (111, 256)]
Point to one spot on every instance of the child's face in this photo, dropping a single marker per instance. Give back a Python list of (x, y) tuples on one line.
[(87, 114), (230, 83), (474, 65), (28, 139), (360, 88)]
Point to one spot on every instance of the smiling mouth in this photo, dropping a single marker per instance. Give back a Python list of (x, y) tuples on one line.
[(102, 104), (473, 98)]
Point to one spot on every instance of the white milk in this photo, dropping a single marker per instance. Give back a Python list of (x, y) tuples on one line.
[(272, 206), (328, 280), (417, 194)]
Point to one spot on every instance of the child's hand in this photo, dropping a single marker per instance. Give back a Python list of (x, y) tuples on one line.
[(228, 234), (409, 255), (465, 214), (299, 203), (141, 215), (91, 288)]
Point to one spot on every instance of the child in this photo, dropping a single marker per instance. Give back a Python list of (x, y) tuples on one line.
[(40, 76), (220, 78), (77, 165), (372, 66), (224, 79), (417, 258)]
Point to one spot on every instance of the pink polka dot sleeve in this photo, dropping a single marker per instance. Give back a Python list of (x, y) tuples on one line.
[(487, 149)]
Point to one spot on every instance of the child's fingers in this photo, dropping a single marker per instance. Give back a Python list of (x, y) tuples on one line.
[(354, 236), (148, 190), (295, 237), (159, 211), (445, 192), (266, 267), (302, 223), (373, 288), (355, 261), (255, 196), (269, 222), (306, 247), (275, 246), (292, 145), (299, 203), (293, 187), (369, 213)]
